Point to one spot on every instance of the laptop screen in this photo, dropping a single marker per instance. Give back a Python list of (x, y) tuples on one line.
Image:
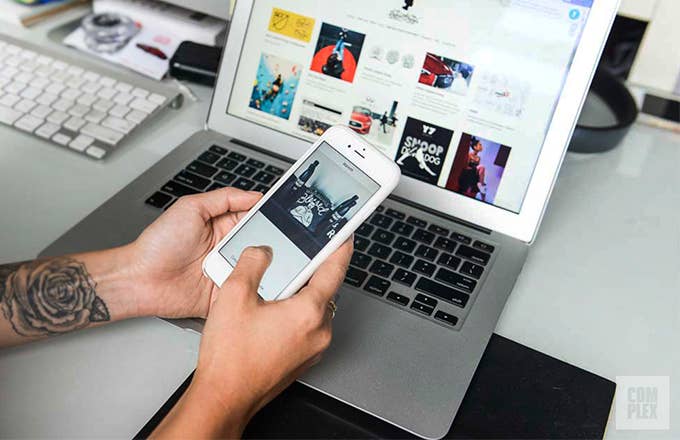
[(460, 93)]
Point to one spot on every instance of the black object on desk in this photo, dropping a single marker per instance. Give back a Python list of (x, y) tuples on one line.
[(196, 63), (516, 393)]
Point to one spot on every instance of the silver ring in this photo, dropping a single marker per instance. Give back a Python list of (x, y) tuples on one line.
[(333, 308)]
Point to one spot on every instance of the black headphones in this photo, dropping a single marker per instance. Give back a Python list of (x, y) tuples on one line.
[(598, 138)]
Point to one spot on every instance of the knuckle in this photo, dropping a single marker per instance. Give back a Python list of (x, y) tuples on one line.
[(325, 338)]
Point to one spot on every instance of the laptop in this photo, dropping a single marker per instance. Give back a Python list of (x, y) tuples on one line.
[(475, 100)]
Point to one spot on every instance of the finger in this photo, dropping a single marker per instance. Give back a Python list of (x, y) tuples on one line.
[(246, 277), (329, 276), (226, 222), (214, 203)]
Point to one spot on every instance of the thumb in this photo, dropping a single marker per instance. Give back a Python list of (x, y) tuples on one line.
[(245, 279)]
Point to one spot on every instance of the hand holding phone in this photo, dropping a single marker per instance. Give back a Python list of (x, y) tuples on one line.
[(310, 212)]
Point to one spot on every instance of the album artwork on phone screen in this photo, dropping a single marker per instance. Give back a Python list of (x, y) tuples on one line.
[(318, 200)]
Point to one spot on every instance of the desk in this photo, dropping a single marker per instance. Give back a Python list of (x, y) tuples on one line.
[(599, 290)]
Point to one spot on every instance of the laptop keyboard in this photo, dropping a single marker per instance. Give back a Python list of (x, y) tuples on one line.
[(419, 266), (66, 104)]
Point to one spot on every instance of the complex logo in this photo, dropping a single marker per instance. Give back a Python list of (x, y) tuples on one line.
[(422, 150)]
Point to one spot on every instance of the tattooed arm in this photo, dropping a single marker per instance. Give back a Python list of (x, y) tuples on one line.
[(159, 274), (53, 296)]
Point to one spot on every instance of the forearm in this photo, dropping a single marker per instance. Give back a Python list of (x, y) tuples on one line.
[(57, 295), (200, 413)]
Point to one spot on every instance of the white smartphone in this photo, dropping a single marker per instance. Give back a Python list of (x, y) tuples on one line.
[(312, 209)]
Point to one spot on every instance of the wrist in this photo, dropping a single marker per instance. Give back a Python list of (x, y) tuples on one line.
[(225, 413), (117, 282)]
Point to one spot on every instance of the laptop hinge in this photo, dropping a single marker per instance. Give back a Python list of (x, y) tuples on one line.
[(393, 197)]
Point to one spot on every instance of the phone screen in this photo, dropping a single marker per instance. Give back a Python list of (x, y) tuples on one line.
[(302, 216)]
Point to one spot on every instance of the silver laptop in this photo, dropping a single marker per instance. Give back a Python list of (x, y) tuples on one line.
[(474, 99)]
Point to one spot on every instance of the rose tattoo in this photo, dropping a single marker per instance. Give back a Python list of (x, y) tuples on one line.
[(50, 297)]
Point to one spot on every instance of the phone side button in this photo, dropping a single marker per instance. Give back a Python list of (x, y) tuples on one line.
[(355, 277), (377, 286)]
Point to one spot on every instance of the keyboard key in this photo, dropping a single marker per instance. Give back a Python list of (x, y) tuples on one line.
[(215, 186), (381, 221), (402, 259), (360, 260), (47, 130), (61, 139), (422, 308), (355, 277), (424, 267), (446, 318), (382, 236), (94, 116), (483, 246), (236, 156), (441, 291), (404, 277), (245, 170), (158, 200), (25, 105), (156, 98), (218, 150), (243, 183), (225, 177), (456, 280), (449, 261), (41, 111), (142, 105), (423, 236), (28, 123), (361, 243), (397, 298), (380, 208), (472, 269), (209, 157), (122, 125), (377, 286), (74, 123), (380, 251), (263, 177), (381, 268), (445, 244), (438, 230), (426, 300), (177, 189), (202, 169), (227, 164), (402, 228), (81, 142), (255, 163), (103, 134), (365, 230), (140, 93), (135, 116), (192, 180), (474, 255), (404, 244), (415, 221), (426, 252), (396, 214), (9, 100), (460, 237), (274, 170), (261, 188), (8, 115)]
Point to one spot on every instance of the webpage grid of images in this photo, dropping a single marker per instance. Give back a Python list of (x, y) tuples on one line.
[(431, 101)]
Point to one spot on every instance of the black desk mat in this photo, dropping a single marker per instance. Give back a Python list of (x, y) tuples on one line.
[(516, 393)]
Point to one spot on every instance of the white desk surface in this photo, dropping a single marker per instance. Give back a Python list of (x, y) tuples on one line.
[(599, 290)]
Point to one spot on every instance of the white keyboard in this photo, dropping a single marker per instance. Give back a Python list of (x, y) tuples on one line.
[(83, 109)]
